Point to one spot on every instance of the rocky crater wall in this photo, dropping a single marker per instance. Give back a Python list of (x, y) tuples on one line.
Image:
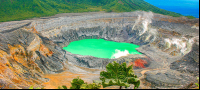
[(31, 48), (142, 28)]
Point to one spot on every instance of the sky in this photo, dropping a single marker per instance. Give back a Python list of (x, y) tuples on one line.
[(184, 7), (182, 3)]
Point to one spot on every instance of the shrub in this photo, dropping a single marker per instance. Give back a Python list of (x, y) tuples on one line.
[(190, 17), (120, 75)]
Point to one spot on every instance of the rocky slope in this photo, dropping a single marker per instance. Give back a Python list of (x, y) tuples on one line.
[(30, 49)]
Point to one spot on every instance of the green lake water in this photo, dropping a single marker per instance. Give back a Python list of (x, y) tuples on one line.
[(101, 48)]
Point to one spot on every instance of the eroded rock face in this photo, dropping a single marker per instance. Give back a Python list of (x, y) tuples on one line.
[(31, 48), (25, 57)]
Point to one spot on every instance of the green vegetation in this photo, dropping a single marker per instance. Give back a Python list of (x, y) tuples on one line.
[(24, 9), (31, 87), (115, 74), (119, 75), (190, 17), (80, 84), (63, 87), (76, 83), (197, 84)]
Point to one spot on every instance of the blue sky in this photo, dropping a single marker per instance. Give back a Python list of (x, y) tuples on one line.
[(180, 3), (184, 7)]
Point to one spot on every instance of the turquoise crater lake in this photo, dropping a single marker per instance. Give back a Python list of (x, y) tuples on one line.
[(101, 48)]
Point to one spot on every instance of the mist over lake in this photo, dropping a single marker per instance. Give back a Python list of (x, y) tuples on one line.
[(184, 7)]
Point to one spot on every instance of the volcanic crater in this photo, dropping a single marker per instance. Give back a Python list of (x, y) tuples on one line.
[(31, 49)]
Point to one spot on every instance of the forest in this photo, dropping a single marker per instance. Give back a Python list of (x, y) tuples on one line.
[(11, 10)]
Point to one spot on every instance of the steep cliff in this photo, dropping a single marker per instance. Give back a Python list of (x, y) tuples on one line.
[(31, 48)]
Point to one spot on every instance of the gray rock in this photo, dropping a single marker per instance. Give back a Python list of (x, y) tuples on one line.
[(168, 79)]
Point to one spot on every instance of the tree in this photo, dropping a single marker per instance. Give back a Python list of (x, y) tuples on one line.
[(119, 75), (80, 84), (76, 83), (116, 74)]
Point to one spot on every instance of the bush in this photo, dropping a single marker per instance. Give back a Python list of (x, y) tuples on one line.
[(190, 17)]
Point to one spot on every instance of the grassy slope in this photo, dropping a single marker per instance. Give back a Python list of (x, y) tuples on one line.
[(23, 9)]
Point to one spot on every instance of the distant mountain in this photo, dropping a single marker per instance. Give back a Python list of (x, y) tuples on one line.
[(23, 9)]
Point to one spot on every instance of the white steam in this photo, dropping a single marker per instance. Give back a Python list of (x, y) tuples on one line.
[(183, 44), (145, 19), (137, 21), (119, 53)]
